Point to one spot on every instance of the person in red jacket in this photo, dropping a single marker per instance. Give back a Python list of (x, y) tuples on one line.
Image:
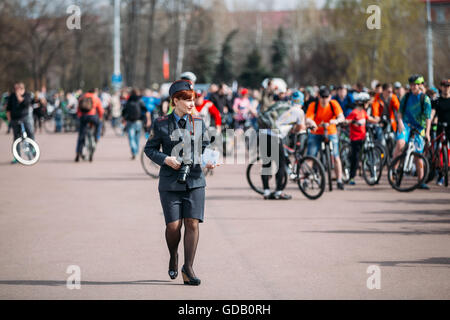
[(90, 110), (357, 119), (206, 109)]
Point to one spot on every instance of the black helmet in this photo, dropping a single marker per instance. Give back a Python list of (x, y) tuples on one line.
[(416, 79), (324, 92)]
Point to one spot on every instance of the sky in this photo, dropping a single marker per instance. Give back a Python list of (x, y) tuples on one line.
[(274, 4)]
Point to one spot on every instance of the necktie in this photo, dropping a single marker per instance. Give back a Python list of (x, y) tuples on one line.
[(182, 123)]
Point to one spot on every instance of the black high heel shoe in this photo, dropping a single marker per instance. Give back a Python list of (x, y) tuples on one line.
[(192, 281), (173, 274)]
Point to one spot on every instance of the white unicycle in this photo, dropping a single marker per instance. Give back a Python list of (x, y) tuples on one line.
[(25, 150)]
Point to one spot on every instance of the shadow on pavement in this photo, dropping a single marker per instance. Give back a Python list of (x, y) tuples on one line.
[(414, 221), (410, 201), (436, 260), (57, 161), (397, 232), (229, 188), (52, 283), (143, 178), (235, 197), (441, 212)]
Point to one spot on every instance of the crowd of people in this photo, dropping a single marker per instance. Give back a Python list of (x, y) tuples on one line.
[(414, 105)]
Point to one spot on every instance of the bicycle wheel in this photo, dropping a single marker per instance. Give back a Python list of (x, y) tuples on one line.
[(345, 154), (26, 151), (402, 173), (384, 154), (390, 145), (432, 164), (372, 166), (328, 166), (254, 171), (150, 168), (90, 145), (445, 164), (311, 177)]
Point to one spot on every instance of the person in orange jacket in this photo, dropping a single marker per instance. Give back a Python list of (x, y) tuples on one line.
[(90, 110), (385, 105)]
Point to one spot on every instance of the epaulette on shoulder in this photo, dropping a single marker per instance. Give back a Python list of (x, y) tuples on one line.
[(162, 118)]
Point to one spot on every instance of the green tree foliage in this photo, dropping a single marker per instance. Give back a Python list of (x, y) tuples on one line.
[(201, 54), (224, 69), (203, 62), (253, 71), (279, 54), (390, 53)]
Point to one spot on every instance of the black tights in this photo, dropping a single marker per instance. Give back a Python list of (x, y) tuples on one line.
[(191, 236), (354, 157)]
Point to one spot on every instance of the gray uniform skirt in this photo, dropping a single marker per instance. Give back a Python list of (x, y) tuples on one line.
[(178, 205)]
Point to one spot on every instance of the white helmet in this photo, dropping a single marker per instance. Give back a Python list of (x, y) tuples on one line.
[(188, 76), (361, 97)]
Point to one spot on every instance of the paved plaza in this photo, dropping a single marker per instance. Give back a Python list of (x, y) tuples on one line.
[(105, 217)]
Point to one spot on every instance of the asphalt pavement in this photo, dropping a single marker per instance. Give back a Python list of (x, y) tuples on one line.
[(105, 220)]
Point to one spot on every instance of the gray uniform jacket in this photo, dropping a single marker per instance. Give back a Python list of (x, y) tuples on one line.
[(162, 129)]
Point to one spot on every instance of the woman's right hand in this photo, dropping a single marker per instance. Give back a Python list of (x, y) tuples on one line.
[(172, 162)]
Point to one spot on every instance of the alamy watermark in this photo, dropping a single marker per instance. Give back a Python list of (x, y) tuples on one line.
[(74, 20), (74, 280), (374, 281), (240, 147), (374, 21)]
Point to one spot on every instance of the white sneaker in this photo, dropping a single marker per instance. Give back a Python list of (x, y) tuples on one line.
[(267, 194)]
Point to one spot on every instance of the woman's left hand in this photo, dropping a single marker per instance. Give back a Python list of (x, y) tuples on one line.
[(211, 166)]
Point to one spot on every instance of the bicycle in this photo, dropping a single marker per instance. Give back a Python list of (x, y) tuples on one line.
[(70, 123), (372, 151), (89, 144), (307, 172), (436, 152), (372, 159), (389, 137), (403, 175), (25, 150), (326, 150)]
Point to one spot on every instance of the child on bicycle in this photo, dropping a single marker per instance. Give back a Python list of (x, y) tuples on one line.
[(357, 120)]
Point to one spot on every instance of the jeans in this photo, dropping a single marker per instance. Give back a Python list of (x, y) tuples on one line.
[(133, 129), (17, 130), (84, 121), (315, 140), (58, 120), (98, 133)]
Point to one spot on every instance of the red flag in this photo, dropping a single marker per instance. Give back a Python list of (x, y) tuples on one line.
[(166, 64)]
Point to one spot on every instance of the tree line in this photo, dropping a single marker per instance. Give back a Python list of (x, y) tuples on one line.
[(308, 45)]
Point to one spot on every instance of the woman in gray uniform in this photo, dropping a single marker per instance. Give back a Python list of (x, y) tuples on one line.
[(181, 181)]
